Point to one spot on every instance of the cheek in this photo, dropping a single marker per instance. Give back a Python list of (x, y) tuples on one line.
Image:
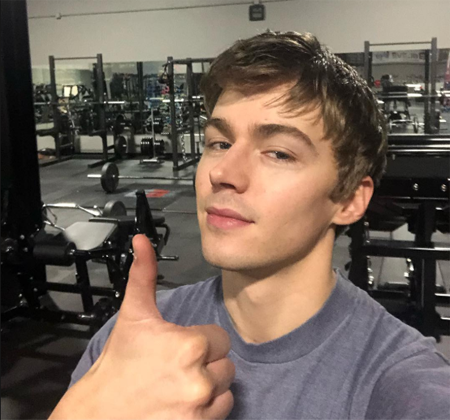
[(298, 208), (202, 181)]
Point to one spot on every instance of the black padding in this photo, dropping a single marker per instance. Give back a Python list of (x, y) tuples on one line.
[(54, 252), (46, 132), (396, 89)]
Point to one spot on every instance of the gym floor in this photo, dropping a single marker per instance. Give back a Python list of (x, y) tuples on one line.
[(38, 358)]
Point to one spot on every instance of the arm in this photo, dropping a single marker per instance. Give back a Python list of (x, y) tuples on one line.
[(415, 388), (148, 367)]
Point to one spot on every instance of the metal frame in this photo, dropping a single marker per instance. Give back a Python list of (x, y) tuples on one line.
[(141, 96), (420, 145), (99, 103), (21, 190), (83, 287), (55, 131), (188, 62), (22, 217), (431, 193), (23, 204), (431, 56)]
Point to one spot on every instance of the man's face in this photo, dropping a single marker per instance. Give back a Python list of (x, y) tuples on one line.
[(273, 169)]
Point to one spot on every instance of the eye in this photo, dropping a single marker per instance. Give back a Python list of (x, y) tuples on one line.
[(218, 145), (281, 156)]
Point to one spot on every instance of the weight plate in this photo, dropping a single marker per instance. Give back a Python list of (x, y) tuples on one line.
[(159, 127), (120, 146), (119, 124), (160, 148), (110, 177), (114, 208), (147, 147)]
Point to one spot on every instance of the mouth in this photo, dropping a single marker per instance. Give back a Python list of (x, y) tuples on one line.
[(226, 218)]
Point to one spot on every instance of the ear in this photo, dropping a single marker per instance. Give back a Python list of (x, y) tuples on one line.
[(354, 208)]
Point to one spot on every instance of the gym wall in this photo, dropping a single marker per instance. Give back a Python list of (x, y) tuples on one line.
[(205, 31), (86, 27)]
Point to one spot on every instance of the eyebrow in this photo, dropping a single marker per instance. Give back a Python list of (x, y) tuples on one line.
[(221, 125), (263, 131), (271, 130)]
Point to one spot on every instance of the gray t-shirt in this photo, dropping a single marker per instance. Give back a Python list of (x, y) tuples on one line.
[(352, 360)]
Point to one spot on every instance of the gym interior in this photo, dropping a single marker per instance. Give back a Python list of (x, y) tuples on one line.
[(103, 128)]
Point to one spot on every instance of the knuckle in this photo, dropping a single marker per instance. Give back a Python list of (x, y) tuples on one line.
[(195, 347), (219, 331), (226, 404), (200, 391), (228, 399)]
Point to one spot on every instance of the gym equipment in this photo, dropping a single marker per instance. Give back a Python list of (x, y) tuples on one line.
[(152, 148), (157, 127), (120, 146), (175, 131), (63, 130), (119, 124), (104, 238), (396, 108), (57, 131), (414, 191), (26, 246), (431, 118), (109, 178), (112, 208), (92, 121)]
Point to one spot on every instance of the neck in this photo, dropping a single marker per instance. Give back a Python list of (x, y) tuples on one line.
[(274, 305)]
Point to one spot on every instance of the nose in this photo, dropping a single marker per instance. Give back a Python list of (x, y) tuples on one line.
[(233, 170)]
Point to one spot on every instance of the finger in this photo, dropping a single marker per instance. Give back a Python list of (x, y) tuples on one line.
[(219, 343), (220, 407), (221, 373), (139, 302)]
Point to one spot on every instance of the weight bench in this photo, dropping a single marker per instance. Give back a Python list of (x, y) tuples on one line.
[(80, 243), (104, 239)]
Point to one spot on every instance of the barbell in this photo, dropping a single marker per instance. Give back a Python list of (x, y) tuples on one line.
[(109, 178)]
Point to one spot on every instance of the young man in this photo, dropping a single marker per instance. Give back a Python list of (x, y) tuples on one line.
[(294, 145)]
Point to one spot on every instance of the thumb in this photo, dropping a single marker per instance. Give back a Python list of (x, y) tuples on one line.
[(139, 302)]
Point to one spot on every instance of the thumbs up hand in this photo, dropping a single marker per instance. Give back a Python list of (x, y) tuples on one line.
[(150, 368)]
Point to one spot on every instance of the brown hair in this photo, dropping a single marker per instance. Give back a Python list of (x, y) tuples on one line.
[(351, 116)]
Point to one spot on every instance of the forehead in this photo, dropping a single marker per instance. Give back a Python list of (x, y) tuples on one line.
[(242, 111)]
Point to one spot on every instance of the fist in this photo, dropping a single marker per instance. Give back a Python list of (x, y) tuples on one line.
[(150, 368)]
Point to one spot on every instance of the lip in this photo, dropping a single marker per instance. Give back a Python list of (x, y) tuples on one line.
[(228, 213)]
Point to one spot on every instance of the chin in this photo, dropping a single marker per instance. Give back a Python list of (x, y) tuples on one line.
[(236, 260), (231, 259)]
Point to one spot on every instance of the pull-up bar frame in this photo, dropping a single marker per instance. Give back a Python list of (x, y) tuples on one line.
[(431, 56)]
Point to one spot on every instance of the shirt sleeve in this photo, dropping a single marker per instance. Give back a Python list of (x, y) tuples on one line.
[(415, 388), (93, 350)]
